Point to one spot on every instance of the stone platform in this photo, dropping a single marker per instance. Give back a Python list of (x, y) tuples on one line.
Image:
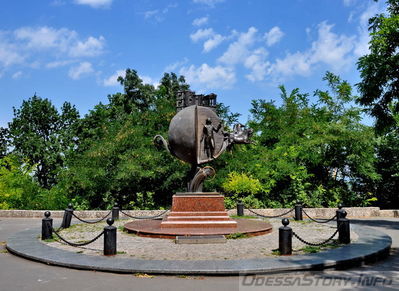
[(153, 228), (372, 245)]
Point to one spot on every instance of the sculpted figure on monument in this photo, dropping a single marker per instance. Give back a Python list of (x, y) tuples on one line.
[(208, 137)]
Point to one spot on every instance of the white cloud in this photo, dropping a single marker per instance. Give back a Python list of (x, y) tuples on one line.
[(149, 80), (213, 42), (200, 21), (238, 51), (362, 44), (63, 40), (90, 48), (46, 37), (95, 3), (9, 53), (174, 66), (83, 69), (330, 48), (258, 65), (113, 79), (159, 14), (273, 36), (57, 64), (209, 77), (201, 34), (293, 64), (212, 39), (349, 2), (17, 75), (150, 13), (210, 3)]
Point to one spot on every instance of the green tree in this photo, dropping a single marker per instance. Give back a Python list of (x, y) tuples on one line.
[(116, 160), (379, 86), (319, 153), (43, 136), (3, 142)]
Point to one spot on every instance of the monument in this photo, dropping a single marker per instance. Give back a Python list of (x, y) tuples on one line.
[(197, 136)]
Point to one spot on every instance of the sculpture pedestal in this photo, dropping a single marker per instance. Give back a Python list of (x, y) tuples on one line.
[(197, 214), (198, 210)]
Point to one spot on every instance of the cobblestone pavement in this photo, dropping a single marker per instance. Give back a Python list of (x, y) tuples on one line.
[(130, 245)]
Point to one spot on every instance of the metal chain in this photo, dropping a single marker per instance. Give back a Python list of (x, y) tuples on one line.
[(78, 244), (59, 229), (265, 216), (321, 220), (144, 217), (91, 222), (315, 244)]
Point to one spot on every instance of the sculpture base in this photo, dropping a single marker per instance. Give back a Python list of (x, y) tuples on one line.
[(152, 228), (198, 210), (194, 214)]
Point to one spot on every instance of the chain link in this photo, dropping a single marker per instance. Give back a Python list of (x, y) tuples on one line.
[(265, 216), (316, 244), (91, 222), (321, 220), (144, 217), (78, 244)]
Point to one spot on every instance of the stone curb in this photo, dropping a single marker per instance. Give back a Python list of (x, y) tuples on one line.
[(372, 245), (353, 212)]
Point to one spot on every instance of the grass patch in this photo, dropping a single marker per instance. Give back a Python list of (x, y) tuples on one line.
[(182, 276), (237, 235), (276, 252), (120, 252), (50, 240), (301, 221), (122, 229), (315, 249), (143, 275), (3, 251), (82, 227), (311, 249)]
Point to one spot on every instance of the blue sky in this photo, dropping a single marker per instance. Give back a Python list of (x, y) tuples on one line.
[(73, 50)]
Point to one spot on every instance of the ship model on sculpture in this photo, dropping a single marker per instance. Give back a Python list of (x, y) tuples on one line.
[(197, 136)]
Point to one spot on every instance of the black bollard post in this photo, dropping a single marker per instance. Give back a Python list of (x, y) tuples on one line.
[(66, 220), (115, 212), (344, 235), (240, 208), (47, 226), (110, 238), (298, 211), (339, 213), (285, 238)]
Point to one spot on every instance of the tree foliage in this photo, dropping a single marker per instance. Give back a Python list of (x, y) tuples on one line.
[(116, 160), (379, 86), (319, 153), (43, 136), (3, 142)]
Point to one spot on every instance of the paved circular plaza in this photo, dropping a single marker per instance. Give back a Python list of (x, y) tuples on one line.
[(237, 256)]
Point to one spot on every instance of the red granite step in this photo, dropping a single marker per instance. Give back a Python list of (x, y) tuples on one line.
[(197, 213), (198, 218), (199, 224)]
